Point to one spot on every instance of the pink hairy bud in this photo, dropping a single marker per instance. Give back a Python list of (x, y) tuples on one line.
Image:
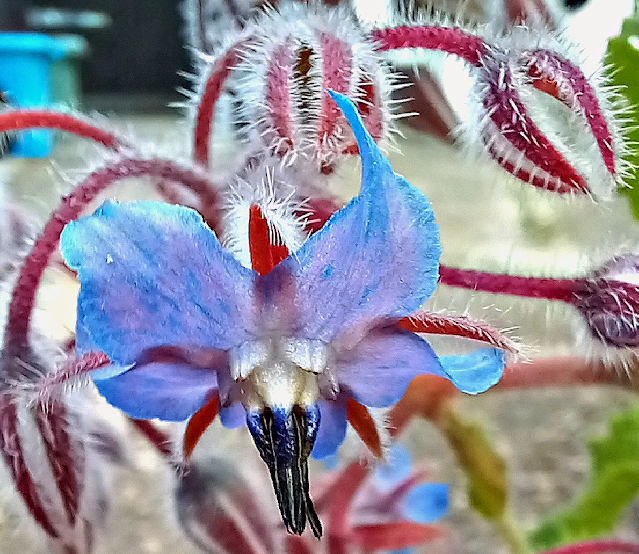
[(293, 57), (543, 120), (58, 459), (609, 301)]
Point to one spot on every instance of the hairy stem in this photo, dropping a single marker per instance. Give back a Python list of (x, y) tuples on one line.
[(438, 324), (23, 298), (446, 39), (208, 98), (159, 439), (563, 290), (21, 120), (562, 371), (71, 371)]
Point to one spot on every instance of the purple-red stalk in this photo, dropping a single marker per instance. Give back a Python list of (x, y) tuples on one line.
[(74, 368), (159, 439), (208, 99), (564, 290), (21, 120), (562, 371), (436, 324), (446, 39), (65, 458)]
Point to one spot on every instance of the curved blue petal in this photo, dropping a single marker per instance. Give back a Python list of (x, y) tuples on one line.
[(154, 274), (378, 370), (376, 258), (475, 372), (233, 416), (332, 428), (170, 392), (425, 503)]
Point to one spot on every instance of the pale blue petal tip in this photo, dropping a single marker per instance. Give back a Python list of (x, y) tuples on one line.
[(395, 470), (426, 503), (331, 462), (475, 372)]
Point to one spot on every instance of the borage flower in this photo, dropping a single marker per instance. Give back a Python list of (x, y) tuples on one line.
[(189, 329)]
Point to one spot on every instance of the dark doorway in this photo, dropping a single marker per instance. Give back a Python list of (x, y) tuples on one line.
[(140, 53)]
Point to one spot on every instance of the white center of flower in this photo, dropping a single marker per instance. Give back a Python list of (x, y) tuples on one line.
[(279, 372)]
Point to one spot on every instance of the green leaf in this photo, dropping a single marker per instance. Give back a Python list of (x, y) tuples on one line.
[(623, 58), (485, 468), (614, 483)]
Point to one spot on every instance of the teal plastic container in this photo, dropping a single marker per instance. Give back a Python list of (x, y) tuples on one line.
[(66, 86), (25, 78)]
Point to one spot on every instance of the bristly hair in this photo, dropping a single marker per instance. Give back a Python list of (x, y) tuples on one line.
[(521, 56), (268, 188)]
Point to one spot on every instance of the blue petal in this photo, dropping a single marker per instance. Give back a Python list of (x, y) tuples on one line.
[(332, 428), (396, 469), (475, 372), (169, 392), (426, 503), (153, 274), (376, 258), (378, 370), (233, 416)]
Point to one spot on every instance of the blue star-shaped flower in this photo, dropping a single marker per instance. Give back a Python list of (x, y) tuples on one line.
[(183, 321)]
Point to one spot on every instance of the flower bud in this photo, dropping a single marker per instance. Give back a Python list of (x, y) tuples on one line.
[(543, 120), (609, 301)]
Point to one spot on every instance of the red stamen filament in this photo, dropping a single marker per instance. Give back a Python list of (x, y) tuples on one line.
[(266, 253), (363, 423), (198, 423)]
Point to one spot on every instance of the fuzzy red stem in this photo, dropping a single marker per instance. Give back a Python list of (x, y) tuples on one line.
[(563, 290), (446, 39), (208, 99), (72, 369), (343, 492), (21, 120), (597, 547), (159, 439), (436, 324), (559, 372), (71, 207), (297, 545)]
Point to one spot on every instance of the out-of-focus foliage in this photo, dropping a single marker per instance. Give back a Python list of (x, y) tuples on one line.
[(613, 484), (623, 57)]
